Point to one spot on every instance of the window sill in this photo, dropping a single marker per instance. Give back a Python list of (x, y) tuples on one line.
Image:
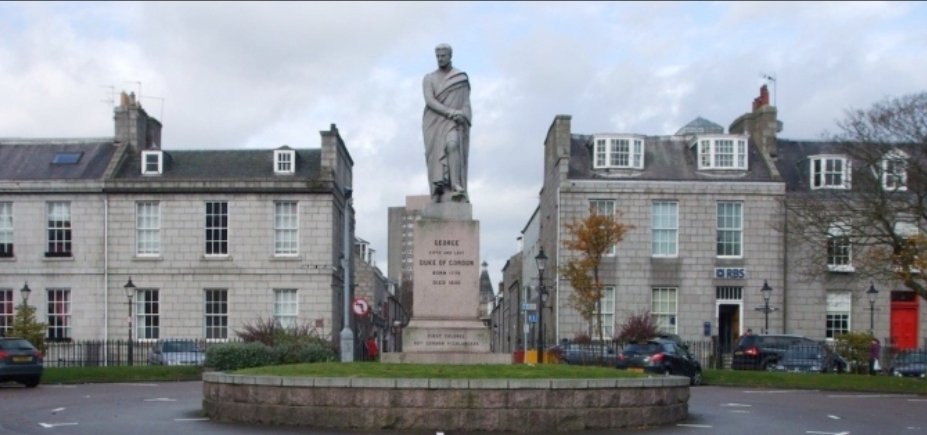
[(57, 259), (216, 258), (8, 259), (841, 269)]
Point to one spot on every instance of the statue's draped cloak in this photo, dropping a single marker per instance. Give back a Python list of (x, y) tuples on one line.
[(453, 92)]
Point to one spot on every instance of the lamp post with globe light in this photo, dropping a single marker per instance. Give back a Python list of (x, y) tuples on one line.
[(541, 260)]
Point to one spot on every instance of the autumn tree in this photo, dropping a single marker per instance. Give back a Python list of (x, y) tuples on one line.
[(880, 218), (591, 238)]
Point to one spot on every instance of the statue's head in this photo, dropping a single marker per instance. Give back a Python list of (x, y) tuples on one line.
[(444, 52)]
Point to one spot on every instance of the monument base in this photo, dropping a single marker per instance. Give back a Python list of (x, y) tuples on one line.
[(463, 358)]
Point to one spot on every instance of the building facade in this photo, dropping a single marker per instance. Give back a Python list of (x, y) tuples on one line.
[(709, 215), (211, 239)]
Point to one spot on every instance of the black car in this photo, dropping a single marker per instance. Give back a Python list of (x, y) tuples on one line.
[(910, 363), (661, 356), (20, 361), (816, 358), (762, 352), (586, 354)]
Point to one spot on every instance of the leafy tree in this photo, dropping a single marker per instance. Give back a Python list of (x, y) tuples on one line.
[(591, 238), (881, 218), (25, 325)]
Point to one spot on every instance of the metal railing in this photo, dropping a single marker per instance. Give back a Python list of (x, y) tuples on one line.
[(112, 353)]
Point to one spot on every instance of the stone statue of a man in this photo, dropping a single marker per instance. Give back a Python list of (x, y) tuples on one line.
[(446, 128)]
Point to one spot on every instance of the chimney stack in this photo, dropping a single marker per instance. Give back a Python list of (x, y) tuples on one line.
[(134, 127)]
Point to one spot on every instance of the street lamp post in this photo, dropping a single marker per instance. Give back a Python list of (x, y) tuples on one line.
[(767, 293), (25, 292), (130, 292), (872, 293), (541, 260)]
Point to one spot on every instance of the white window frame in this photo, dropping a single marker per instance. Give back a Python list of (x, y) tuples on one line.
[(839, 310), (664, 229), (664, 308), (59, 235), (604, 207), (608, 311), (58, 314), (711, 155), (147, 314), (839, 249), (286, 228), (286, 307), (147, 228), (6, 230), (216, 314), (6, 311), (726, 226), (216, 246), (157, 163), (893, 171), (284, 161), (622, 152), (825, 175)]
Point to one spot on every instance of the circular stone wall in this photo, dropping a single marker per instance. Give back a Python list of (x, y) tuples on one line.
[(447, 404)]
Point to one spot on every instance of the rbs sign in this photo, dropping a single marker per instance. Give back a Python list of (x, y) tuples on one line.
[(730, 273)]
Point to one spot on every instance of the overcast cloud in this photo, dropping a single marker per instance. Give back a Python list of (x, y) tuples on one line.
[(259, 75)]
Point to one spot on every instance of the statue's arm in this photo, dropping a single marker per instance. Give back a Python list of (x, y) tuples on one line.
[(428, 89)]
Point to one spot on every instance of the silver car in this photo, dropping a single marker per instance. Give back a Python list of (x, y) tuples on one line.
[(176, 353)]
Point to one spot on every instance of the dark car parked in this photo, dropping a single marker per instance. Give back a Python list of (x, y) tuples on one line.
[(661, 356), (910, 363), (20, 361), (586, 354), (176, 352), (762, 352), (815, 358)]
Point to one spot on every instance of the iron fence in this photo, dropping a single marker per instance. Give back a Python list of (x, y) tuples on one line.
[(112, 353)]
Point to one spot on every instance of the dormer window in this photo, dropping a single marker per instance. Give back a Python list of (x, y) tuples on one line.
[(284, 161), (830, 172), (618, 152), (893, 170), (722, 152), (152, 163)]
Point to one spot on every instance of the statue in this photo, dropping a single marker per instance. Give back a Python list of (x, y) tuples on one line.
[(446, 128)]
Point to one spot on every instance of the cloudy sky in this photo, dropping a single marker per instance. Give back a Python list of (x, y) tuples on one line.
[(259, 75)]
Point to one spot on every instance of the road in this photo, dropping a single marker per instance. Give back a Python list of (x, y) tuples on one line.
[(174, 408)]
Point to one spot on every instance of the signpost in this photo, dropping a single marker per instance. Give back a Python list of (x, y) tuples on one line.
[(360, 306)]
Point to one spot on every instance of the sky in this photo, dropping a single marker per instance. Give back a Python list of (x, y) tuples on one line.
[(234, 75)]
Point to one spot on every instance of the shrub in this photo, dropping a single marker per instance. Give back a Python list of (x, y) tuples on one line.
[(638, 327), (854, 347), (234, 356)]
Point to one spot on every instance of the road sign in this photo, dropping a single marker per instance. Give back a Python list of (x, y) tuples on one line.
[(532, 317), (360, 306), (529, 306)]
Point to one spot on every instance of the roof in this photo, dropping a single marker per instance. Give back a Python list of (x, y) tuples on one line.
[(700, 125), (666, 158), (222, 165), (32, 159)]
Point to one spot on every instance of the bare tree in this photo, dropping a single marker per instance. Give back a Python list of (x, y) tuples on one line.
[(880, 217)]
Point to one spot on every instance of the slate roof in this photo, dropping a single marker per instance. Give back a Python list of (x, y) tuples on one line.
[(666, 158), (222, 165), (792, 160), (31, 159)]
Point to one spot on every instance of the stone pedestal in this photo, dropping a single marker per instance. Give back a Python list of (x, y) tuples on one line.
[(445, 325)]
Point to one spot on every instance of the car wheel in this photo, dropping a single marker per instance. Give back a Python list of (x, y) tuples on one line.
[(30, 382), (769, 365), (696, 379)]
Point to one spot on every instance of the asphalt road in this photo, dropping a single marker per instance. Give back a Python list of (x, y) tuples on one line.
[(174, 408)]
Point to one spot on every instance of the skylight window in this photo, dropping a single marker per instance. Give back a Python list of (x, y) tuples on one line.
[(67, 158)]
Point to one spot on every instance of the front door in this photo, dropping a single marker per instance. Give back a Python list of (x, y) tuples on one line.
[(728, 326), (904, 320)]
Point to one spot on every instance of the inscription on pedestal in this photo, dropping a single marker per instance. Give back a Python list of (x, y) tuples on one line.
[(446, 269)]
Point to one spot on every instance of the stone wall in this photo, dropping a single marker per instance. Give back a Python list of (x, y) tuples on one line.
[(563, 405)]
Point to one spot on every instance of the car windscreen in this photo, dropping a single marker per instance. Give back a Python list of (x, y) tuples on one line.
[(642, 348), (17, 344), (180, 346), (912, 358), (803, 352)]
